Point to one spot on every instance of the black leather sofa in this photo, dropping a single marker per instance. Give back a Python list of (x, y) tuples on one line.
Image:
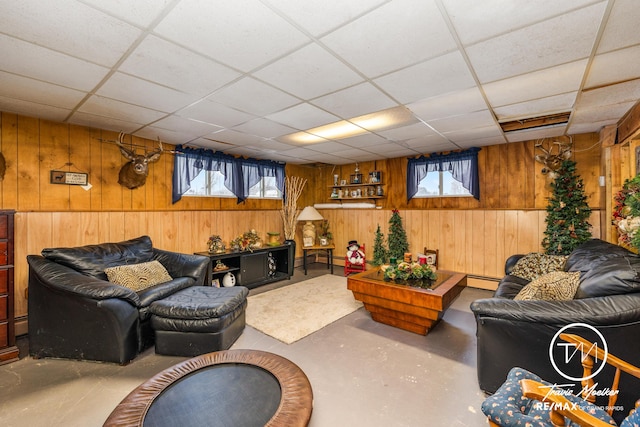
[(519, 333), (76, 313)]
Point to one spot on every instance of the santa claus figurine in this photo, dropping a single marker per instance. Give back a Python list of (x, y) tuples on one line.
[(354, 254)]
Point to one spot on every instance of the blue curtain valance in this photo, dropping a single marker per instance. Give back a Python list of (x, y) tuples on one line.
[(239, 174), (463, 166)]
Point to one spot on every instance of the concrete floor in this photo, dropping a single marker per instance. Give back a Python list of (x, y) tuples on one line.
[(363, 373)]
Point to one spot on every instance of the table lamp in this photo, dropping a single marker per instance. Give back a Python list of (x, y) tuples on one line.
[(309, 214)]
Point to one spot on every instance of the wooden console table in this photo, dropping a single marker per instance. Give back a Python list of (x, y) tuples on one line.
[(410, 308), (328, 248)]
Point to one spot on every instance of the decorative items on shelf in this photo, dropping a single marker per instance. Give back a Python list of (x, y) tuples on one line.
[(248, 241), (357, 187), (274, 238), (215, 244), (220, 266), (325, 234)]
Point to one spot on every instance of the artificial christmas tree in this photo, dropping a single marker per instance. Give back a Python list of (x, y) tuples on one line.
[(379, 251), (567, 213), (397, 239)]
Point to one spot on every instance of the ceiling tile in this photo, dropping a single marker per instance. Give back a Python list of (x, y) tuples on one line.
[(447, 73), (264, 128), (576, 128), (214, 113), (355, 101), (26, 89), (47, 65), (211, 142), (259, 34), (601, 113), (407, 132), (427, 147), (173, 66), (139, 12), (102, 122), (141, 92), (449, 104), (106, 107), (364, 141), (627, 67), (552, 42), (165, 135), (475, 21), (397, 34), (614, 94), (537, 107), (465, 134), (303, 116), (32, 109), (308, 73), (478, 119), (536, 133), (538, 84), (254, 97), (236, 138), (191, 128), (622, 27), (86, 33), (322, 16)]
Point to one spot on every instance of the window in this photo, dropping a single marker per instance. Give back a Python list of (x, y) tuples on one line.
[(202, 172), (211, 184), (440, 184), (439, 175)]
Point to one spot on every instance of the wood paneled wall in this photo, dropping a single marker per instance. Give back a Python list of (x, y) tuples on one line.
[(473, 236)]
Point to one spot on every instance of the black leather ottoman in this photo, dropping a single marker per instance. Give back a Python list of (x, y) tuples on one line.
[(199, 319)]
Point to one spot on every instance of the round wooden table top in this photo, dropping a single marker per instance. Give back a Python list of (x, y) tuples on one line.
[(268, 390)]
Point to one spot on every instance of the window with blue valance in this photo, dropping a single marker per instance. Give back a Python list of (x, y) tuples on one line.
[(239, 174), (463, 166)]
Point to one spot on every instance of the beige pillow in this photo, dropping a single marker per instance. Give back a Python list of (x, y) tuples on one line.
[(554, 286), (138, 276), (536, 264)]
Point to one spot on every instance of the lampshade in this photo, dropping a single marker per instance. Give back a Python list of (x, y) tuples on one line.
[(310, 214)]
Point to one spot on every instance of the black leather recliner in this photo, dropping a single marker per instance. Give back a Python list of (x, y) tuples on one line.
[(519, 333), (76, 313)]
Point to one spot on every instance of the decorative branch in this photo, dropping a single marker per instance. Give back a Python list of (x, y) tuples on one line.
[(293, 188)]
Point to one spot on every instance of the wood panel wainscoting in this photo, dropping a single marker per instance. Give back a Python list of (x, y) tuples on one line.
[(476, 242)]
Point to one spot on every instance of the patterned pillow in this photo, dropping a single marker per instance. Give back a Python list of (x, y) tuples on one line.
[(138, 276), (536, 264), (554, 286)]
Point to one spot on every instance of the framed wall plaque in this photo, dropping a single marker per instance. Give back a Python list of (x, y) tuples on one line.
[(69, 178)]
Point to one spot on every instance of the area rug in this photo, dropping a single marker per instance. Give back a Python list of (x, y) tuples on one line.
[(295, 311)]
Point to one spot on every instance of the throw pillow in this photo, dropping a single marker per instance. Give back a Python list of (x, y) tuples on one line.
[(138, 277), (554, 286), (536, 264)]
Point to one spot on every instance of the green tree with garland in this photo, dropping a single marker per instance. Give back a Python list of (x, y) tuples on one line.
[(397, 239), (567, 212), (379, 251)]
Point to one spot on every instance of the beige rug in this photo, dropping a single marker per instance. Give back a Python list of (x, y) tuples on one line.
[(295, 311)]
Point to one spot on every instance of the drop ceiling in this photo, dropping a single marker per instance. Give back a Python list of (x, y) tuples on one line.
[(241, 76)]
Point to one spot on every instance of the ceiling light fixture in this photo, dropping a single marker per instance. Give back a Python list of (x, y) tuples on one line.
[(381, 120)]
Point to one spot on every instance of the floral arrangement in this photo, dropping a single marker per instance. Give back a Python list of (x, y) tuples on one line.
[(408, 271), (247, 241), (626, 213), (215, 244)]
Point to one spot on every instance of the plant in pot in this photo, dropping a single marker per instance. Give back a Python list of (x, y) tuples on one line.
[(325, 235)]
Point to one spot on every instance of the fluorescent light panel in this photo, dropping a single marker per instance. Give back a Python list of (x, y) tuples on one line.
[(381, 120)]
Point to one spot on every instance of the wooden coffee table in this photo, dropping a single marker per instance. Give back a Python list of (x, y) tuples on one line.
[(410, 308)]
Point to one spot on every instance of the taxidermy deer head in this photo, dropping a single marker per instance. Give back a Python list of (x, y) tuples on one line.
[(134, 173), (552, 159)]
